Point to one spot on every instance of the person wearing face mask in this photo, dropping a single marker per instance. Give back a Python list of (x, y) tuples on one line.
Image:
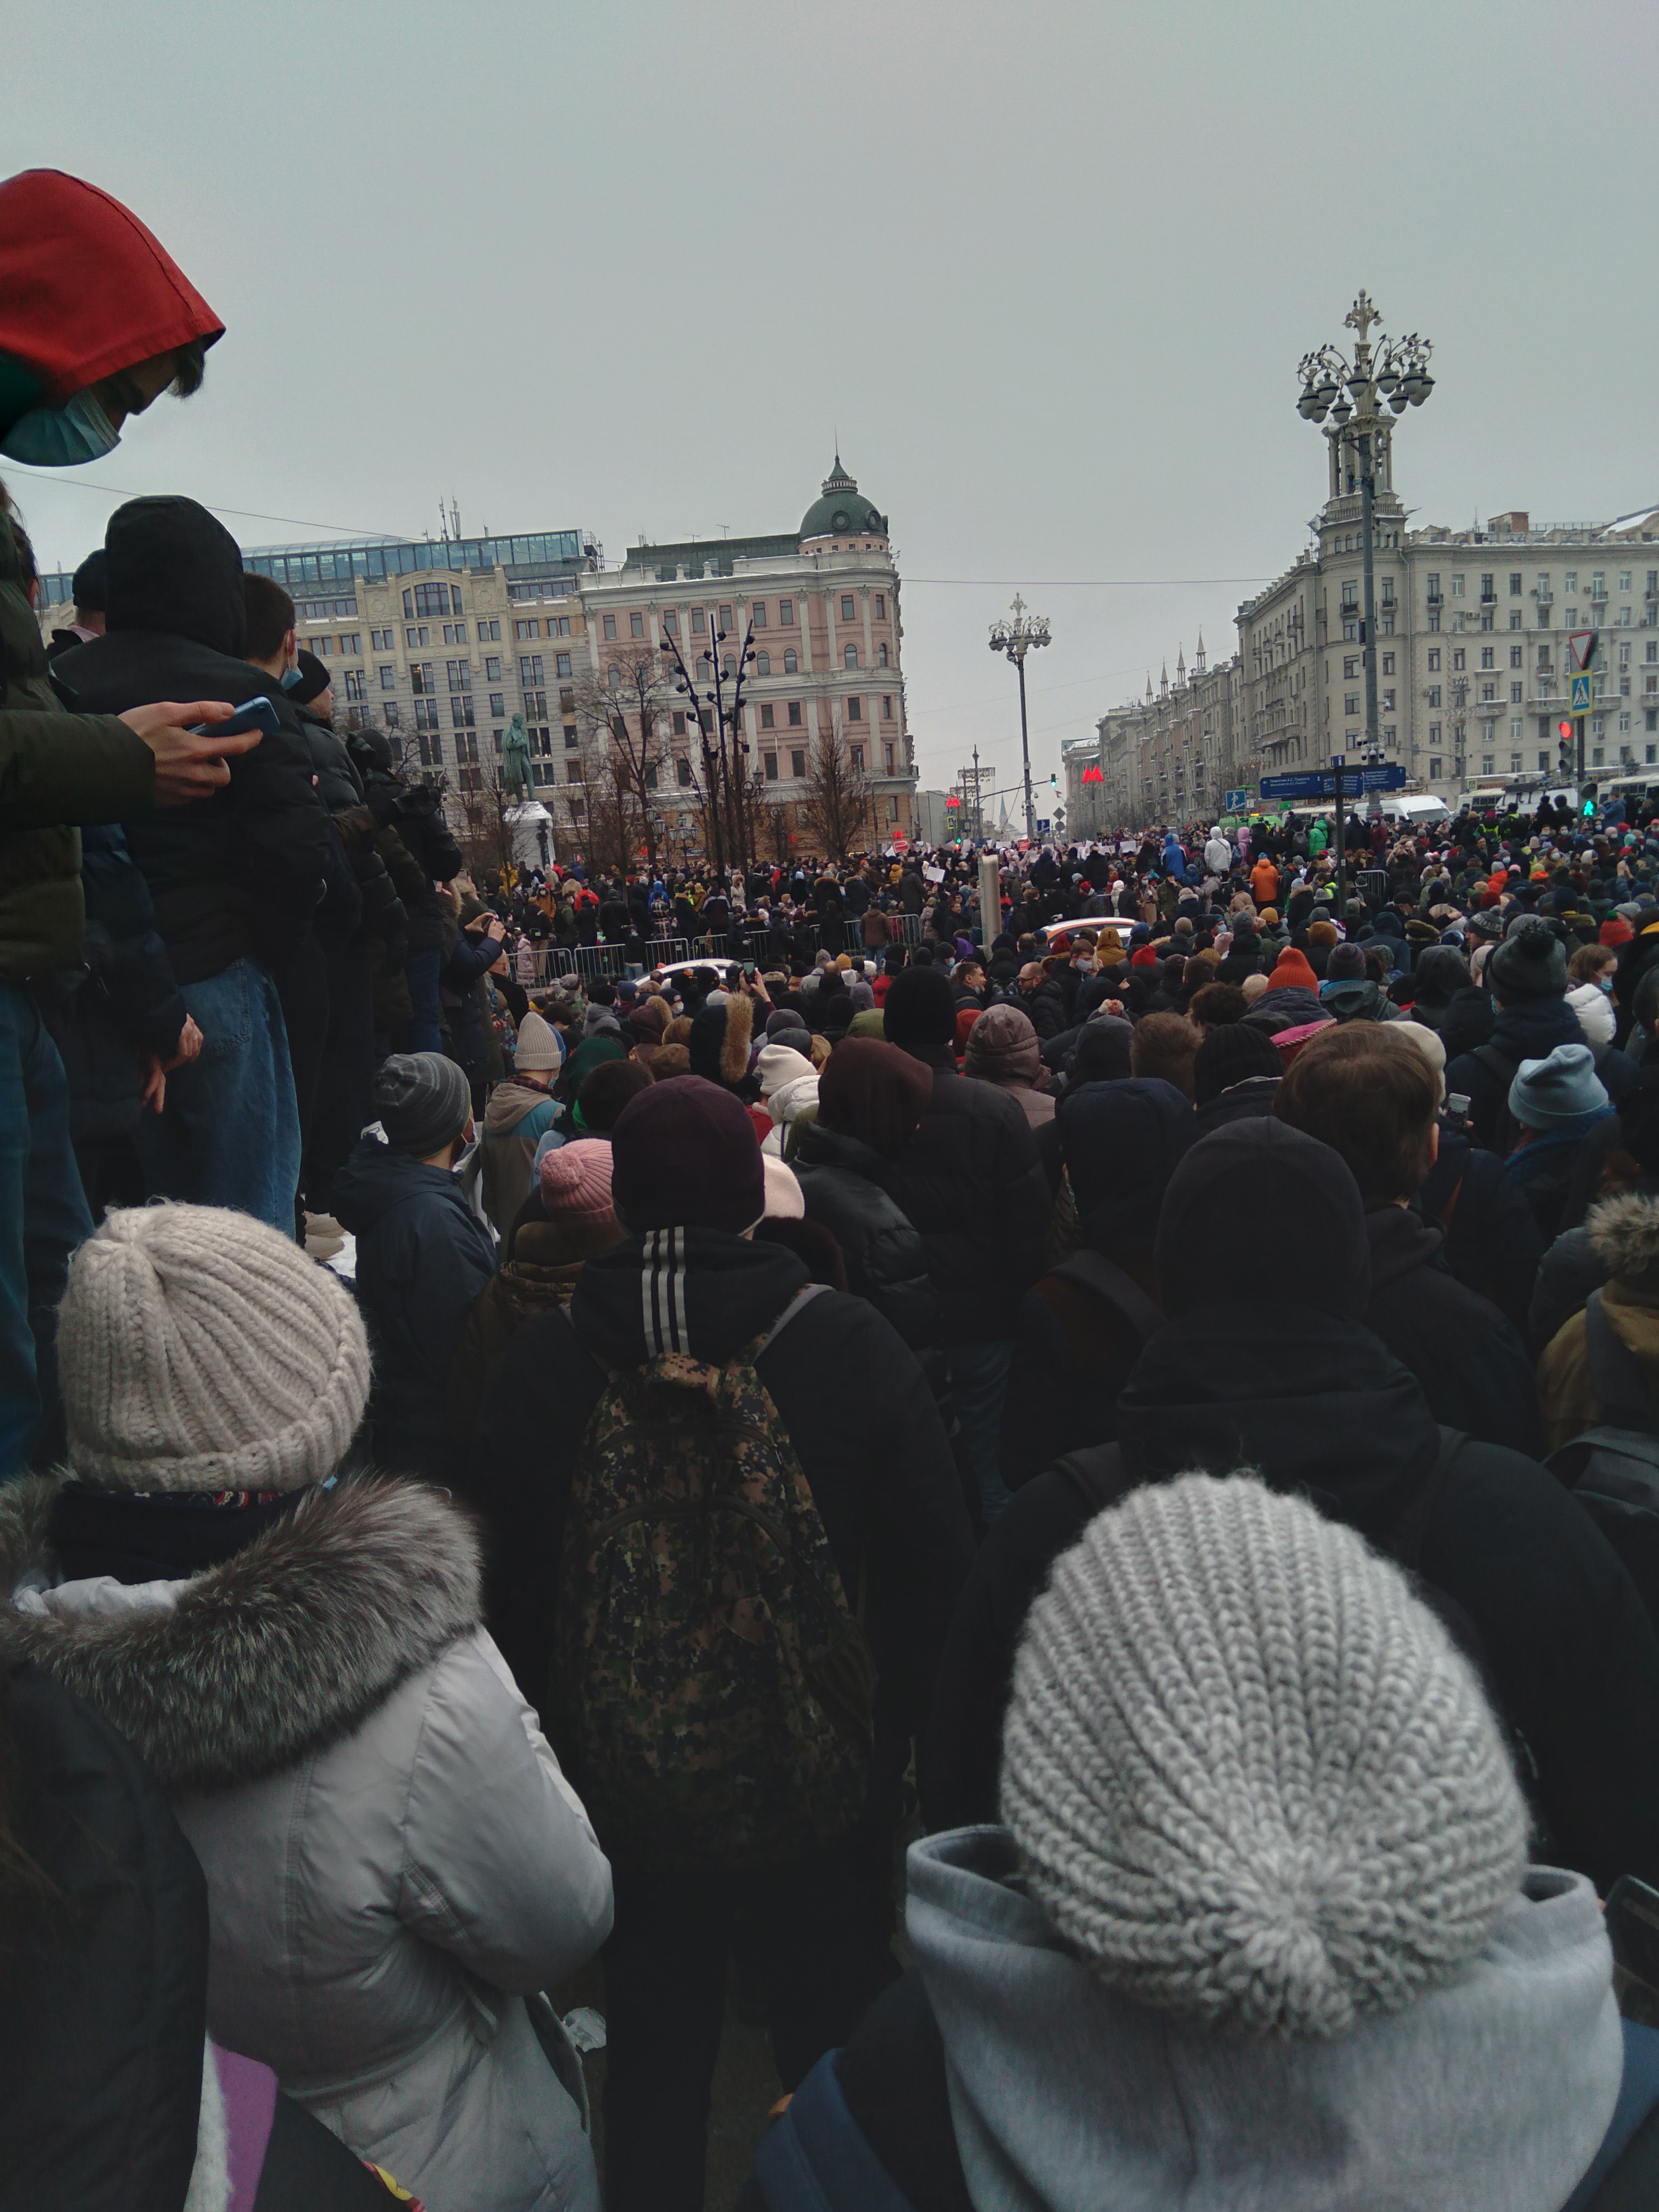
[(96, 322)]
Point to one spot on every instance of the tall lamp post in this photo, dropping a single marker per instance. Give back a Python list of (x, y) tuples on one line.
[(1016, 639), (1383, 380)]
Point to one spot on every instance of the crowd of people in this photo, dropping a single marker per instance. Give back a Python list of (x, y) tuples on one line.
[(1071, 1494)]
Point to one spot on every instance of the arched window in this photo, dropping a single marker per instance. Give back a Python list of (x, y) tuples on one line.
[(881, 656), (705, 669), (849, 656), (762, 664), (729, 662), (791, 662)]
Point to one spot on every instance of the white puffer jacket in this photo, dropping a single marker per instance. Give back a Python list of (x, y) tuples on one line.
[(394, 1861)]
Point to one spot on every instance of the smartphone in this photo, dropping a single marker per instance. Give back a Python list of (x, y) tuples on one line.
[(1458, 1105), (749, 969), (1632, 1911), (252, 714)]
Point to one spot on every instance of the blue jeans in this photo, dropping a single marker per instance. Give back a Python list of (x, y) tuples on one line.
[(424, 1031), (43, 1217), (230, 1135), (979, 1384)]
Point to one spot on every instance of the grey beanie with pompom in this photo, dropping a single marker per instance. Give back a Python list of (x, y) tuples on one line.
[(1247, 1775)]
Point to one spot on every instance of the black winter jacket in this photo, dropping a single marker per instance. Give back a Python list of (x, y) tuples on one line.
[(422, 1257), (123, 1002), (1529, 1029), (414, 812), (852, 1399), (101, 2037), (846, 1186), (240, 872), (972, 1182), (1469, 1360), (1319, 1404)]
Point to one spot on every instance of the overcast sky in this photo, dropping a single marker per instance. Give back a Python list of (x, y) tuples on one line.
[(1047, 270)]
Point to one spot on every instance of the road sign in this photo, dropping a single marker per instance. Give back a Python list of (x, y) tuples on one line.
[(1313, 784), (1235, 802), (1583, 700), (1043, 825), (1582, 642)]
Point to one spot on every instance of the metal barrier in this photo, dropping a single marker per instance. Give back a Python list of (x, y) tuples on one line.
[(1372, 885)]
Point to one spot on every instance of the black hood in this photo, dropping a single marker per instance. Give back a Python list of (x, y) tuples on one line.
[(1532, 1028), (174, 569), (1239, 1102), (1120, 1143), (1464, 1021), (1279, 1204), (376, 1178), (1315, 1403), (732, 1292), (1400, 1241), (1442, 973)]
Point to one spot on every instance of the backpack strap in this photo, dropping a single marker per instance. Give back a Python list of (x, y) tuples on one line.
[(1622, 1399), (1403, 1543), (1114, 1286), (804, 1296)]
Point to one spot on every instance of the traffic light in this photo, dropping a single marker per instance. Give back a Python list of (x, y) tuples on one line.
[(1564, 731)]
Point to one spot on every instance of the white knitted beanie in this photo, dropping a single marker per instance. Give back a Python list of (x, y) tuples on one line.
[(201, 1350), (1248, 1773)]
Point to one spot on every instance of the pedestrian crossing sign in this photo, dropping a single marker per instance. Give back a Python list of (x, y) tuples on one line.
[(1584, 694)]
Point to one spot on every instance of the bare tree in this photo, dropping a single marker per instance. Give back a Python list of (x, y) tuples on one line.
[(486, 838), (836, 810), (624, 710)]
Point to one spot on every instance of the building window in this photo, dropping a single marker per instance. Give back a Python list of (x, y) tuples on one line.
[(1350, 667), (562, 664), (611, 625), (725, 618), (679, 723), (455, 633), (1515, 656), (1485, 764), (881, 656), (421, 676), (857, 754), (757, 614), (887, 707), (855, 710), (460, 675), (849, 656), (379, 641), (787, 613), (432, 599), (354, 684), (1434, 769), (728, 664), (498, 702), (769, 762), (762, 664), (1388, 663), (1518, 693), (529, 669), (797, 764), (847, 603), (791, 662), (1457, 658), (1458, 587), (426, 714), (670, 625), (388, 678), (637, 625), (766, 722), (697, 623), (522, 629), (417, 636), (489, 630), (573, 772), (682, 770), (794, 714), (881, 606)]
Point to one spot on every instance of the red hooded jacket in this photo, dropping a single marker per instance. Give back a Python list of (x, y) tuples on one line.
[(84, 288)]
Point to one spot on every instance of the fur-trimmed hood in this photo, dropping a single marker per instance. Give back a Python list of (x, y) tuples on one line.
[(1624, 1233), (284, 1648), (721, 1037)]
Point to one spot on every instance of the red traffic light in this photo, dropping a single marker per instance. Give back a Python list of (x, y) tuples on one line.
[(1563, 731)]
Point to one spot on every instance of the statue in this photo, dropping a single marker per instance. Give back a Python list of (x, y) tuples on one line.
[(516, 780)]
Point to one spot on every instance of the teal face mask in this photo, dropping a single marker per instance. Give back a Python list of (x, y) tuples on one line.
[(61, 437)]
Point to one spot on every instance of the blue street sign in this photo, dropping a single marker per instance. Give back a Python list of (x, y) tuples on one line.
[(1584, 694), (1309, 784), (1235, 802), (1043, 825)]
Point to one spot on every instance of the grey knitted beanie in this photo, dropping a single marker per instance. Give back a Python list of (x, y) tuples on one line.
[(1247, 1774), (200, 1350)]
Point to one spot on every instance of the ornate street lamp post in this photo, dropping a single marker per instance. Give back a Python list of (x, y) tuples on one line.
[(1383, 380), (1016, 639)]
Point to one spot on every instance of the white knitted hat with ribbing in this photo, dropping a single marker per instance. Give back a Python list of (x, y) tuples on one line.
[(1248, 1773), (200, 1350)]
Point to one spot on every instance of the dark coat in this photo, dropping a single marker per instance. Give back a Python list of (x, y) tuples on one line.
[(414, 813), (1470, 1362), (1046, 1007), (845, 1184), (854, 1400), (1319, 1404), (106, 1985), (122, 1004), (1529, 1029), (422, 1257), (240, 872), (971, 1180)]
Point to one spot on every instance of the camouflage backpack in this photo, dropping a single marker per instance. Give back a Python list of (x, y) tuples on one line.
[(714, 1688)]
